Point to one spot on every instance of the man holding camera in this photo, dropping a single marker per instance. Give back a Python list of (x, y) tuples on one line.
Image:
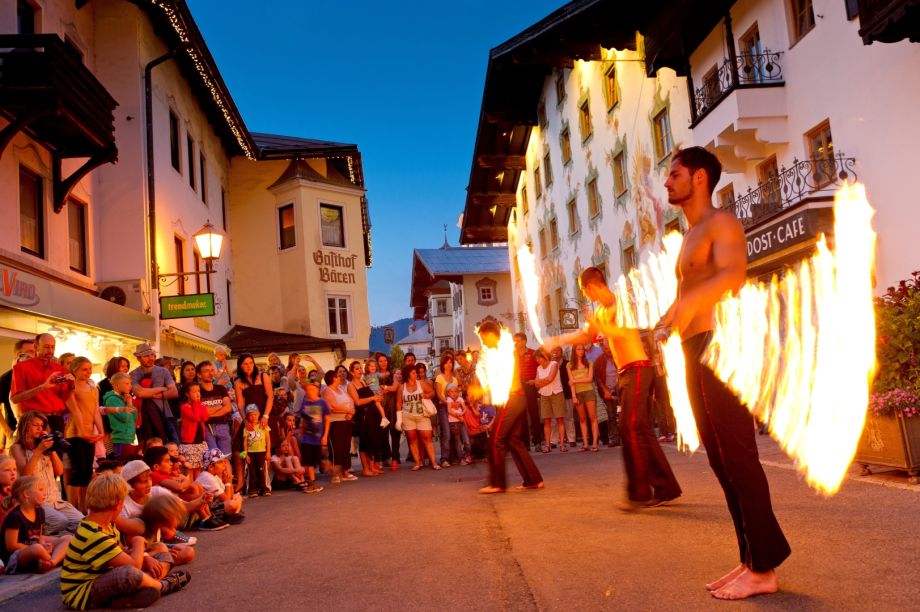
[(42, 384)]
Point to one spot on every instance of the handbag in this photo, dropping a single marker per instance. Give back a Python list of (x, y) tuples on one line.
[(428, 408)]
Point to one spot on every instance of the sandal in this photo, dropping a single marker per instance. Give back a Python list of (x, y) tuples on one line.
[(583, 449), (564, 449), (436, 467), (545, 449), (523, 487), (490, 490), (416, 468), (593, 449)]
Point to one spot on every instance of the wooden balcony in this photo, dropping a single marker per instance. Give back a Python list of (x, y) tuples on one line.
[(47, 92), (889, 21)]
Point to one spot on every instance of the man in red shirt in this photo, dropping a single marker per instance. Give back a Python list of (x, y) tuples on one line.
[(527, 367), (42, 384)]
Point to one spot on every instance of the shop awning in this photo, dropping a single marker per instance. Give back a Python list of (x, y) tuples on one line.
[(245, 339)]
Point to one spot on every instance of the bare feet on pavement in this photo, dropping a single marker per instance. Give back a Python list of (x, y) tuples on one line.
[(747, 584), (721, 582)]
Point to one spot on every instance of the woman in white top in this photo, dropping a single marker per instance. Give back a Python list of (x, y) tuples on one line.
[(410, 416), (341, 409), (552, 401)]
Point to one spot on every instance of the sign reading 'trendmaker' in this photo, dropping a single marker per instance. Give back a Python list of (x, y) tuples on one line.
[(334, 267), (183, 306)]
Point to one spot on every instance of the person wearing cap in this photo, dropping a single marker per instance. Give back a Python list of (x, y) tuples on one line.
[(154, 386), (42, 384), (257, 446), (216, 479)]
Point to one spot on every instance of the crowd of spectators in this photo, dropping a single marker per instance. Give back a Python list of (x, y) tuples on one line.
[(105, 479)]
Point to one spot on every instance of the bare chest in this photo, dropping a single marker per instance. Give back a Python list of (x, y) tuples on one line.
[(695, 256)]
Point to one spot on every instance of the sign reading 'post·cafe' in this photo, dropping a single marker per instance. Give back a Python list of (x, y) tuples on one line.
[(335, 267)]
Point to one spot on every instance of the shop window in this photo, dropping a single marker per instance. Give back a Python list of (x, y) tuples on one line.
[(803, 18), (26, 17), (572, 210), (584, 119), (179, 252), (821, 151), (594, 198), (566, 143), (202, 171), (174, 146), (287, 228), (339, 310), (547, 170), (190, 150), (610, 87), (76, 234), (333, 225), (619, 173), (31, 213), (663, 140)]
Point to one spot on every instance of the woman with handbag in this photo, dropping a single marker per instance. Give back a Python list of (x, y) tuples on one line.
[(413, 417)]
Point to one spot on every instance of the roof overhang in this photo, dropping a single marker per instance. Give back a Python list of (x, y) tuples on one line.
[(245, 339)]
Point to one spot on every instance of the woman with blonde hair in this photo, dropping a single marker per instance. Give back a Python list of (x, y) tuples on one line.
[(83, 430)]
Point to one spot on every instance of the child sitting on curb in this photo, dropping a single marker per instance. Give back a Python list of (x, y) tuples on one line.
[(24, 547), (287, 471), (162, 516), (97, 572), (217, 481)]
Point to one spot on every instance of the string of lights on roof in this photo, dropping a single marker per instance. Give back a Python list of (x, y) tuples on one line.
[(216, 93)]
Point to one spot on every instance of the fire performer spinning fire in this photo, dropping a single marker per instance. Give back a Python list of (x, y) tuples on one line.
[(497, 372), (650, 481), (712, 263)]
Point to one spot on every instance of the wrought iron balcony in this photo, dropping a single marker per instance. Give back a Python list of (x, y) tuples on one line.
[(804, 179), (46, 91), (746, 71)]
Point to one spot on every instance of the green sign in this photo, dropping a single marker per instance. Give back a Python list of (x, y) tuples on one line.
[(182, 306)]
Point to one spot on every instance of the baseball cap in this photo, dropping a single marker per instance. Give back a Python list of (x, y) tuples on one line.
[(213, 456), (133, 469), (251, 408)]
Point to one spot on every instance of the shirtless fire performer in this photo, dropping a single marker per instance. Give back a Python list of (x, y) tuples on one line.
[(650, 481), (712, 263)]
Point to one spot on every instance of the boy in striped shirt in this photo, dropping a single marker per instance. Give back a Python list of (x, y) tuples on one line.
[(97, 571)]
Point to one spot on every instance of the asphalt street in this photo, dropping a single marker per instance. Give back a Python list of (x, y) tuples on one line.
[(426, 541)]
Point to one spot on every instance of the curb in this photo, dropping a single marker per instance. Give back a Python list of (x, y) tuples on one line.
[(13, 586)]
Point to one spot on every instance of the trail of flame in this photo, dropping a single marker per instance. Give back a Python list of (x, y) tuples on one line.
[(495, 368), (527, 267), (801, 351)]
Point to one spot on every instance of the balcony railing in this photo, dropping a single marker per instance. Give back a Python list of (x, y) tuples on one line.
[(804, 179), (748, 70)]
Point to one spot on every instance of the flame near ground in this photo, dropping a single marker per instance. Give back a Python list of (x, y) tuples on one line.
[(799, 351)]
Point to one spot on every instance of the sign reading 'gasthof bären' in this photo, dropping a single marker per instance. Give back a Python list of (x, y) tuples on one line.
[(334, 267)]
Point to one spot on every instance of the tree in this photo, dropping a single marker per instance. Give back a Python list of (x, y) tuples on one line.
[(396, 358)]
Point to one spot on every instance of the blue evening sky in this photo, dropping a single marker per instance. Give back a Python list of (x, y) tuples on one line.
[(402, 80)]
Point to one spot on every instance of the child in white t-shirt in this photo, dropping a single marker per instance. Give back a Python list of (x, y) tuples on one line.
[(459, 436)]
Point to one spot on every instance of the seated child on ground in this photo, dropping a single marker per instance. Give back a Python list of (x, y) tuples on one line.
[(217, 481), (24, 547), (286, 469), (8, 474), (97, 572), (153, 443), (162, 516)]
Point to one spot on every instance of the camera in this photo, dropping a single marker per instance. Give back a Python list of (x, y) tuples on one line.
[(59, 379), (60, 444)]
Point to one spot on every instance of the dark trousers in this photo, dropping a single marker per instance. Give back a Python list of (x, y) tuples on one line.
[(648, 473), (479, 445), (727, 431), (506, 436), (532, 427), (256, 472), (664, 414), (340, 443)]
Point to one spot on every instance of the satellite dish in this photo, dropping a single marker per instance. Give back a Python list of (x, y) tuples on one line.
[(115, 295)]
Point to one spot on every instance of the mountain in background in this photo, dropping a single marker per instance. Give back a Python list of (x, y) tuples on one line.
[(376, 343)]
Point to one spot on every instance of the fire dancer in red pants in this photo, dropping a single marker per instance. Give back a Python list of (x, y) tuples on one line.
[(650, 481), (506, 432), (712, 262)]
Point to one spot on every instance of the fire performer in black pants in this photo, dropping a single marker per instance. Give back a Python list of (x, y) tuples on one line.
[(650, 481), (506, 434), (712, 263)]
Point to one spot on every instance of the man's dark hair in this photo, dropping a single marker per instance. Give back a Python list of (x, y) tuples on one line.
[(153, 456), (21, 343), (202, 365), (698, 158), (520, 336), (489, 327), (406, 356), (591, 275)]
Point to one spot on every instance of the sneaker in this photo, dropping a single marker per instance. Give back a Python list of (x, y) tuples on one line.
[(445, 463), (268, 494), (253, 494), (212, 524), (234, 519), (181, 538), (175, 580), (313, 488)]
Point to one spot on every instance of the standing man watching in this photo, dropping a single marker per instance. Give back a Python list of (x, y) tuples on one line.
[(42, 384), (650, 481), (607, 382), (527, 368), (216, 400), (711, 264), (154, 386), (22, 351)]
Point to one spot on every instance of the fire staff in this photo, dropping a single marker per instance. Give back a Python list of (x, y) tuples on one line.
[(712, 262), (650, 480)]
